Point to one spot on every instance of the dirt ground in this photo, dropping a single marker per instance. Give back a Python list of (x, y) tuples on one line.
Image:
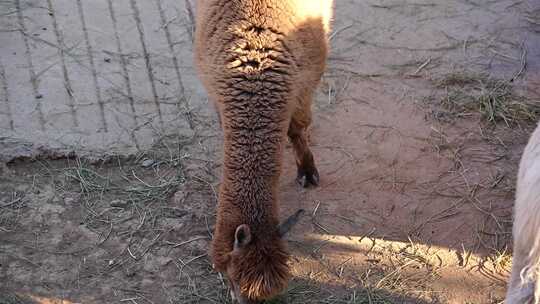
[(419, 124)]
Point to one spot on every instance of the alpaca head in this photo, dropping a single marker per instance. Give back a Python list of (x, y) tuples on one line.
[(256, 268)]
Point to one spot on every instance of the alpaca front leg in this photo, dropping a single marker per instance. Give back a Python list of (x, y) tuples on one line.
[(307, 173)]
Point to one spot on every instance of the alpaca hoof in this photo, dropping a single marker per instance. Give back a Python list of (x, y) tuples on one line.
[(307, 178)]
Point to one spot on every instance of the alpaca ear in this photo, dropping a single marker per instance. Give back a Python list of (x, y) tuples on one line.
[(284, 227), (242, 237)]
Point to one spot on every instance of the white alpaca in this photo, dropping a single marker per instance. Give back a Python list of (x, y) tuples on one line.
[(524, 287)]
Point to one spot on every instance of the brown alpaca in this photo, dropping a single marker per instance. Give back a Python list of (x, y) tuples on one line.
[(260, 61)]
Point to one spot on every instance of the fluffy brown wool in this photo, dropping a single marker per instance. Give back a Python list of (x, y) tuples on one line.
[(260, 61)]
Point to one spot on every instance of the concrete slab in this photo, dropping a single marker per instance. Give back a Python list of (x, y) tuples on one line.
[(95, 77)]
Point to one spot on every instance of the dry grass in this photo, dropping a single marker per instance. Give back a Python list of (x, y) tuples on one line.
[(375, 271), (304, 292), (470, 94), (12, 210), (7, 298), (129, 201), (127, 204), (490, 196)]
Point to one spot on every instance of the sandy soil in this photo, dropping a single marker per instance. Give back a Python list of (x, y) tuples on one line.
[(416, 189)]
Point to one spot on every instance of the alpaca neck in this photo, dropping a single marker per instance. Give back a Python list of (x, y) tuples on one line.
[(251, 169)]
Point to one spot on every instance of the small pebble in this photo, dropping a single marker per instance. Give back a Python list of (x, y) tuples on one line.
[(147, 163), (119, 204)]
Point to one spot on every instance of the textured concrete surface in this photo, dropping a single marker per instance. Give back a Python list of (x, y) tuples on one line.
[(93, 76)]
